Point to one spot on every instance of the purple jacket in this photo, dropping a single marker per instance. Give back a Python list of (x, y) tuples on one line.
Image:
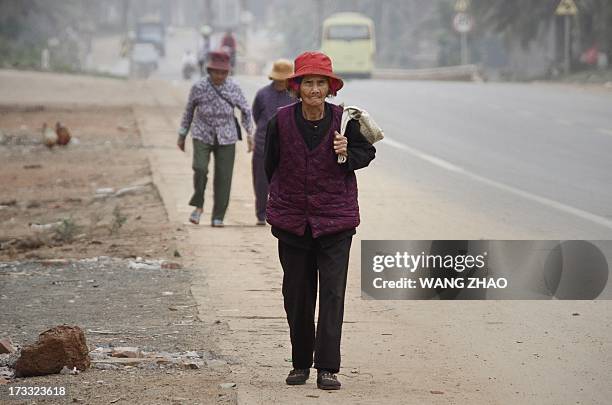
[(310, 186), (267, 101)]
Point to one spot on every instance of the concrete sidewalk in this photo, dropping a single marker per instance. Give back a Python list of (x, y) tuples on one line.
[(393, 352)]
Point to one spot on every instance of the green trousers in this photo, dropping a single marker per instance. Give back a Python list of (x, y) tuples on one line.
[(222, 182)]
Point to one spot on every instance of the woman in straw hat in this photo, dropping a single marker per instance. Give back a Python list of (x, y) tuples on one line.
[(267, 100), (210, 115), (313, 211)]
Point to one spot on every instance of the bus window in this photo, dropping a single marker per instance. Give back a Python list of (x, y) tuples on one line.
[(348, 39), (348, 32)]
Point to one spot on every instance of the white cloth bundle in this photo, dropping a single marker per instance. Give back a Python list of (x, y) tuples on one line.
[(368, 127)]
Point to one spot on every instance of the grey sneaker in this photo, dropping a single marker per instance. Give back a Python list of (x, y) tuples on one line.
[(217, 223), (194, 218), (297, 376), (327, 381)]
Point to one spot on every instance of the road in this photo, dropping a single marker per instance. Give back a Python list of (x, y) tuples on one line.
[(461, 161), (533, 156)]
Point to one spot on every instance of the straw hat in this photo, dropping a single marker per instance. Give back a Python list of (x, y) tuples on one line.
[(282, 69)]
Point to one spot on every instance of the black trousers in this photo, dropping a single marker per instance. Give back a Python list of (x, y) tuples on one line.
[(301, 267), (260, 185)]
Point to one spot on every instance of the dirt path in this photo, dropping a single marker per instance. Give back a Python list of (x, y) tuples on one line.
[(486, 352)]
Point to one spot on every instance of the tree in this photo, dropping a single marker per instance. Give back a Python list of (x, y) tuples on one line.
[(27, 25), (518, 18), (523, 18)]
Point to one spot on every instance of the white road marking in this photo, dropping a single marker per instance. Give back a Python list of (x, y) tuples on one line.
[(424, 156), (577, 212)]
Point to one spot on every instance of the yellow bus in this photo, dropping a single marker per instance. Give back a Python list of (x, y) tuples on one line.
[(348, 39)]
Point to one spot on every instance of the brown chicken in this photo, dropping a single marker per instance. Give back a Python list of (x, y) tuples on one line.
[(49, 137), (63, 134)]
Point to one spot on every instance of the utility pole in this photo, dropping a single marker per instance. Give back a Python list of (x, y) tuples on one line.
[(566, 62), (465, 59), (567, 9), (125, 10), (463, 24), (319, 22), (207, 12)]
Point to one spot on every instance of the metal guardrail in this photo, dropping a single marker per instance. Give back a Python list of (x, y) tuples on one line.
[(461, 73)]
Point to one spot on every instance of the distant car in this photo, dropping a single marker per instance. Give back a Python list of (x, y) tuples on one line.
[(143, 59), (154, 32)]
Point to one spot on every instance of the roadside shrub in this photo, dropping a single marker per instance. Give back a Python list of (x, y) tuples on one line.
[(66, 230), (118, 220)]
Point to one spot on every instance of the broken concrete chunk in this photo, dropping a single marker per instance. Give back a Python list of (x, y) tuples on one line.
[(57, 347), (45, 227), (6, 346), (171, 266), (105, 191), (67, 371), (214, 363), (126, 352), (146, 265), (129, 190)]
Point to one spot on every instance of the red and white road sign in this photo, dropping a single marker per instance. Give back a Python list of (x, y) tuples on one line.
[(463, 22)]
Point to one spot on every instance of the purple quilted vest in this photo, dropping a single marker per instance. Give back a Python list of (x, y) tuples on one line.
[(310, 186)]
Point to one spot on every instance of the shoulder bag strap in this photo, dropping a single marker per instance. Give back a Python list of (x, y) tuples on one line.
[(221, 95)]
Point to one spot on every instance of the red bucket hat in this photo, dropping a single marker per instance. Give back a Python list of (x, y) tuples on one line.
[(315, 63), (218, 60)]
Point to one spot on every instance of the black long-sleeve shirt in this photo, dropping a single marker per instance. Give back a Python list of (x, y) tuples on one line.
[(359, 155), (360, 151)]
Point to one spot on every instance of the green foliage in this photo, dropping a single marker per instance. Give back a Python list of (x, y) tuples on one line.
[(523, 18), (66, 230), (27, 25), (518, 18), (17, 56)]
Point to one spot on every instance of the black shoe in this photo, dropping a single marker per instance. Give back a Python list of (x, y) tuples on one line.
[(327, 381), (298, 376)]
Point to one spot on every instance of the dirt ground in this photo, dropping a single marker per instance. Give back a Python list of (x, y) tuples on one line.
[(115, 305), (42, 186), (69, 254)]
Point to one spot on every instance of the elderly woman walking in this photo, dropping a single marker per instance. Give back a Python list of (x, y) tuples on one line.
[(313, 211), (214, 129), (267, 100)]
